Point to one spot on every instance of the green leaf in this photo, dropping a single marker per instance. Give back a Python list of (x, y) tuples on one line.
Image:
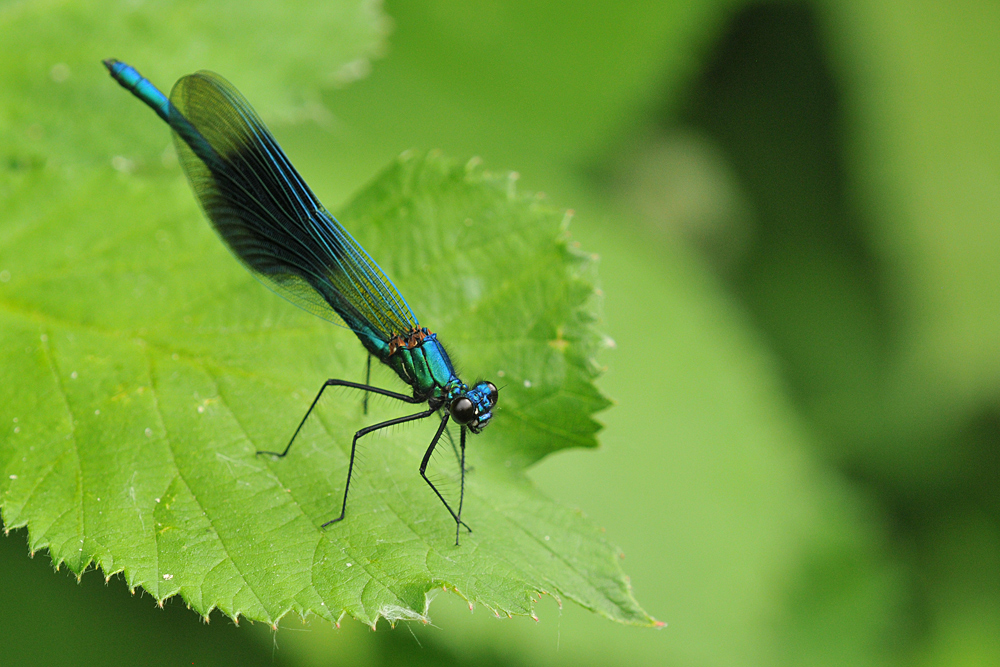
[(143, 369)]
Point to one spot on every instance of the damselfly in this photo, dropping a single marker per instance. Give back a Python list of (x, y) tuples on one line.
[(277, 228)]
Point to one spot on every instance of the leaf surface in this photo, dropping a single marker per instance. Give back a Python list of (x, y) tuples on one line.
[(145, 368)]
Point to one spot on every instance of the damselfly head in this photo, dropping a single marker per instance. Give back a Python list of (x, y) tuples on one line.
[(474, 408)]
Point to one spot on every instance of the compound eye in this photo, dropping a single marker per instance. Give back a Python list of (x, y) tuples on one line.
[(494, 393), (462, 410)]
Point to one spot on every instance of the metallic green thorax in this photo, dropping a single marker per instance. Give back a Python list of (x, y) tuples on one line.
[(423, 364), (427, 369)]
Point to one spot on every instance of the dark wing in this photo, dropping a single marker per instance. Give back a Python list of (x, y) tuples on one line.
[(269, 217)]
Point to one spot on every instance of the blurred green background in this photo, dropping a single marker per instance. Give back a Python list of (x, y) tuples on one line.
[(797, 206)]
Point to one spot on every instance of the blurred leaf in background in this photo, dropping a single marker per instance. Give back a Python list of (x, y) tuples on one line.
[(801, 466)]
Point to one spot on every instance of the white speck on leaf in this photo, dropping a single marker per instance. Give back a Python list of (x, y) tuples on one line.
[(122, 164), (60, 72)]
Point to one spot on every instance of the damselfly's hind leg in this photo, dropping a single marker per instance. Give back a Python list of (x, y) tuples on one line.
[(368, 389), (354, 445), (350, 385)]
